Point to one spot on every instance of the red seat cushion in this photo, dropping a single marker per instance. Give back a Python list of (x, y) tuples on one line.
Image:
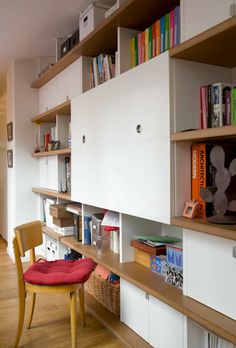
[(59, 272)]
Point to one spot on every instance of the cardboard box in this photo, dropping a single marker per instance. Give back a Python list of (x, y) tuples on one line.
[(90, 18), (174, 254), (142, 258), (63, 222), (59, 211), (158, 264)]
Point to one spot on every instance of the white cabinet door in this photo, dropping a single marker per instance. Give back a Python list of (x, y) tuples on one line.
[(119, 167), (210, 271), (166, 325), (200, 15), (43, 172), (134, 308), (53, 173)]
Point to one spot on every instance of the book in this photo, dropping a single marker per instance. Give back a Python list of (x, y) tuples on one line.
[(162, 31), (177, 25), (154, 41), (226, 106), (167, 31), (150, 42), (140, 48), (146, 44), (218, 106), (233, 106), (209, 105), (195, 171), (161, 239), (203, 106), (87, 230), (158, 37), (172, 29), (143, 47), (132, 52)]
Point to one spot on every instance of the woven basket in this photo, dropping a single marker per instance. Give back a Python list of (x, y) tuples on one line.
[(106, 293)]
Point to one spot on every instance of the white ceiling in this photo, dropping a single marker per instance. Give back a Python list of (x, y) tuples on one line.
[(28, 27)]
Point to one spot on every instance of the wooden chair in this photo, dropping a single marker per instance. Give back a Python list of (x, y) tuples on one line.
[(41, 277)]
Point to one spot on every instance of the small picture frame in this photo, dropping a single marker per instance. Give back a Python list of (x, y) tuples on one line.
[(55, 145), (10, 131), (190, 209), (10, 158)]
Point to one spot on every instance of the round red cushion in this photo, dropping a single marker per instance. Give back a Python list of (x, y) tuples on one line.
[(60, 272)]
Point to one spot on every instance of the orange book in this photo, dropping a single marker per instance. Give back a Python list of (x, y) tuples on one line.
[(158, 37), (194, 172), (202, 179), (154, 50), (143, 47)]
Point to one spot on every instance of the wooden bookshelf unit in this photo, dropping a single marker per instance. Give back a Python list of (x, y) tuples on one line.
[(204, 48), (156, 286), (131, 14), (52, 193), (66, 151), (226, 132), (50, 115)]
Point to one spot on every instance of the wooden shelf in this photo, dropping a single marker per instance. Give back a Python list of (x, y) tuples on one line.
[(204, 48), (52, 153), (226, 132), (51, 233), (52, 193), (113, 323), (202, 225), (155, 285), (50, 115), (131, 14)]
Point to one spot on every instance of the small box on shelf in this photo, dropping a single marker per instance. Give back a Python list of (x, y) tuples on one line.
[(90, 18)]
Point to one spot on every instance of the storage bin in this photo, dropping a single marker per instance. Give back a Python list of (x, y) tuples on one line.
[(106, 293), (90, 18)]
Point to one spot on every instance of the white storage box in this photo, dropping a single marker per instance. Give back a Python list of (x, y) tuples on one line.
[(90, 18)]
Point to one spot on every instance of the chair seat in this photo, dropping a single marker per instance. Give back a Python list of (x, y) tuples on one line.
[(60, 272)]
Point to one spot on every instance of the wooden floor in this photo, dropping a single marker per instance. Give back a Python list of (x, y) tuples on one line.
[(51, 322)]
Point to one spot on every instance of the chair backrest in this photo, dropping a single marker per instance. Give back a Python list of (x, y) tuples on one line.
[(28, 236)]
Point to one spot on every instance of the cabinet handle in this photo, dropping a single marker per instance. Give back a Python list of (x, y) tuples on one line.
[(83, 139), (234, 251), (139, 128)]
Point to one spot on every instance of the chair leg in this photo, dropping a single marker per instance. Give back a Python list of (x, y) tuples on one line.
[(31, 309), (81, 304), (73, 318), (21, 316)]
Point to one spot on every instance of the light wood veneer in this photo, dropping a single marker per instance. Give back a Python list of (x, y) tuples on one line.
[(51, 193)]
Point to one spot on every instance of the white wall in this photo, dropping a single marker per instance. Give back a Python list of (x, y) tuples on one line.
[(3, 164), (23, 204)]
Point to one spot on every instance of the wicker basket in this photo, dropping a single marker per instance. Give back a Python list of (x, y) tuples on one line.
[(106, 293)]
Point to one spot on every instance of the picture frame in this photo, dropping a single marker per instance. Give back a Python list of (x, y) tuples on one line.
[(10, 131), (10, 158), (55, 145)]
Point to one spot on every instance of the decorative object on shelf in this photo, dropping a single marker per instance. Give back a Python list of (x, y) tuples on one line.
[(10, 158), (174, 276), (10, 131), (37, 146), (65, 47), (44, 71), (68, 174), (224, 201), (55, 144), (47, 139), (190, 209)]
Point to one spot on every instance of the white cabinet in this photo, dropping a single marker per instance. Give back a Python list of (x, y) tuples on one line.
[(134, 308), (123, 163), (200, 15), (166, 325), (210, 271), (156, 322), (52, 172), (62, 87)]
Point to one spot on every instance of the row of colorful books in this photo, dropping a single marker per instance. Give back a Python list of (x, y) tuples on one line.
[(218, 105), (102, 68), (159, 37), (203, 173)]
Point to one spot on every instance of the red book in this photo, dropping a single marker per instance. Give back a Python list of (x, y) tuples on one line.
[(172, 29), (47, 138), (143, 48), (158, 37)]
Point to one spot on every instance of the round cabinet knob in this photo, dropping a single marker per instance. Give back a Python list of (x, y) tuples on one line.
[(83, 139), (139, 128)]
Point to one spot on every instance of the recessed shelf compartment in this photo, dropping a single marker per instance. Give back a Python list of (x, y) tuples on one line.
[(131, 14), (50, 115), (156, 286), (202, 225), (52, 193), (226, 132), (66, 151), (204, 48)]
